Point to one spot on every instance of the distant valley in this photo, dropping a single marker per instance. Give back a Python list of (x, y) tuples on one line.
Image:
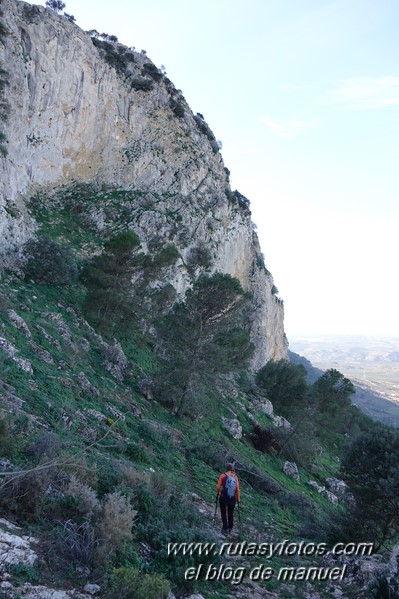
[(372, 364)]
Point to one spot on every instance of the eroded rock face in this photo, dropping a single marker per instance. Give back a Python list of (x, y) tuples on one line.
[(15, 548), (73, 117)]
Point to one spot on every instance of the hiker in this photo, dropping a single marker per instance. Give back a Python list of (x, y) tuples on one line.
[(228, 491)]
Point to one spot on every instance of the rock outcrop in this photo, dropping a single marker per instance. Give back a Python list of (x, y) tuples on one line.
[(94, 113)]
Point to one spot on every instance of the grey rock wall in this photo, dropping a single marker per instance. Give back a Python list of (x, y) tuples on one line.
[(74, 118)]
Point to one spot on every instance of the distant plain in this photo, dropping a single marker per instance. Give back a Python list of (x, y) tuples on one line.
[(371, 363)]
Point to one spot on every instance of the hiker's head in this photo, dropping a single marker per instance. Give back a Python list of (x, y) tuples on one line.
[(229, 466)]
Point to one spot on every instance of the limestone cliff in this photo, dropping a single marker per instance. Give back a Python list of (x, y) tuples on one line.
[(94, 112)]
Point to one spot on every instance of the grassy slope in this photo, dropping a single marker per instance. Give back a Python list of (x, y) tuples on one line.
[(186, 454)]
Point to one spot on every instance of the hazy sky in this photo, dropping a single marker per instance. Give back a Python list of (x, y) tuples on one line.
[(304, 96)]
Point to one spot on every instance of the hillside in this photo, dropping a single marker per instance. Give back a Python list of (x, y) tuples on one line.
[(142, 348), (79, 410), (370, 362)]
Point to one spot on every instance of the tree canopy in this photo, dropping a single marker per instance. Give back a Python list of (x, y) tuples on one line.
[(205, 335), (371, 468)]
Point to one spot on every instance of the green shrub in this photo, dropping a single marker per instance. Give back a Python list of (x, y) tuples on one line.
[(200, 255), (285, 385), (150, 69), (177, 107), (153, 587), (24, 573), (117, 57), (127, 583), (141, 84), (49, 262), (165, 519), (116, 520), (5, 437), (205, 129)]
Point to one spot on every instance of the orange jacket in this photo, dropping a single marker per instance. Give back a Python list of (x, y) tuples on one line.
[(221, 482)]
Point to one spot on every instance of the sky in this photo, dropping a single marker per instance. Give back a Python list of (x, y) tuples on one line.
[(304, 96)]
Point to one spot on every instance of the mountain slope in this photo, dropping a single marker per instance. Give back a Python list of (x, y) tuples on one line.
[(85, 110)]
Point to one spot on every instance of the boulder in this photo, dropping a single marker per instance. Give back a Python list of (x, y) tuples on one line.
[(291, 469), (280, 422), (393, 572), (19, 323), (264, 405), (115, 360), (86, 384), (329, 496), (338, 487), (15, 548), (233, 426), (42, 353), (316, 486), (49, 338), (11, 352), (323, 491), (92, 589)]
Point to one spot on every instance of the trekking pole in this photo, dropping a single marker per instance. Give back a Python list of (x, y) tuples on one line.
[(239, 514), (216, 507)]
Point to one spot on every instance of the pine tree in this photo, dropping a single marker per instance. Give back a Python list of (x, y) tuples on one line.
[(204, 336)]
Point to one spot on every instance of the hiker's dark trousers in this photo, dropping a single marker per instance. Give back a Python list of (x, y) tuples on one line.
[(227, 510)]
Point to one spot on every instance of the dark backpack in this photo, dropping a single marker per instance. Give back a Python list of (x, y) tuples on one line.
[(229, 486)]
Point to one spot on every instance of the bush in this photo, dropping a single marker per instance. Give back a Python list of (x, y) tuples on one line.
[(177, 108), (76, 542), (170, 519), (150, 69), (205, 129), (23, 495), (200, 255), (264, 439), (56, 5), (46, 446), (126, 583), (49, 262), (116, 520), (141, 84), (285, 385), (237, 198), (84, 497)]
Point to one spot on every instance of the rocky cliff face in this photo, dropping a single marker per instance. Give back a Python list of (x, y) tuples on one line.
[(96, 113)]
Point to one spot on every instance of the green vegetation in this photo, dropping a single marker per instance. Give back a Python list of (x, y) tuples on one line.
[(55, 5), (235, 197), (49, 262), (113, 303), (371, 467), (103, 471), (206, 130), (117, 55), (284, 384), (201, 338), (177, 107)]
